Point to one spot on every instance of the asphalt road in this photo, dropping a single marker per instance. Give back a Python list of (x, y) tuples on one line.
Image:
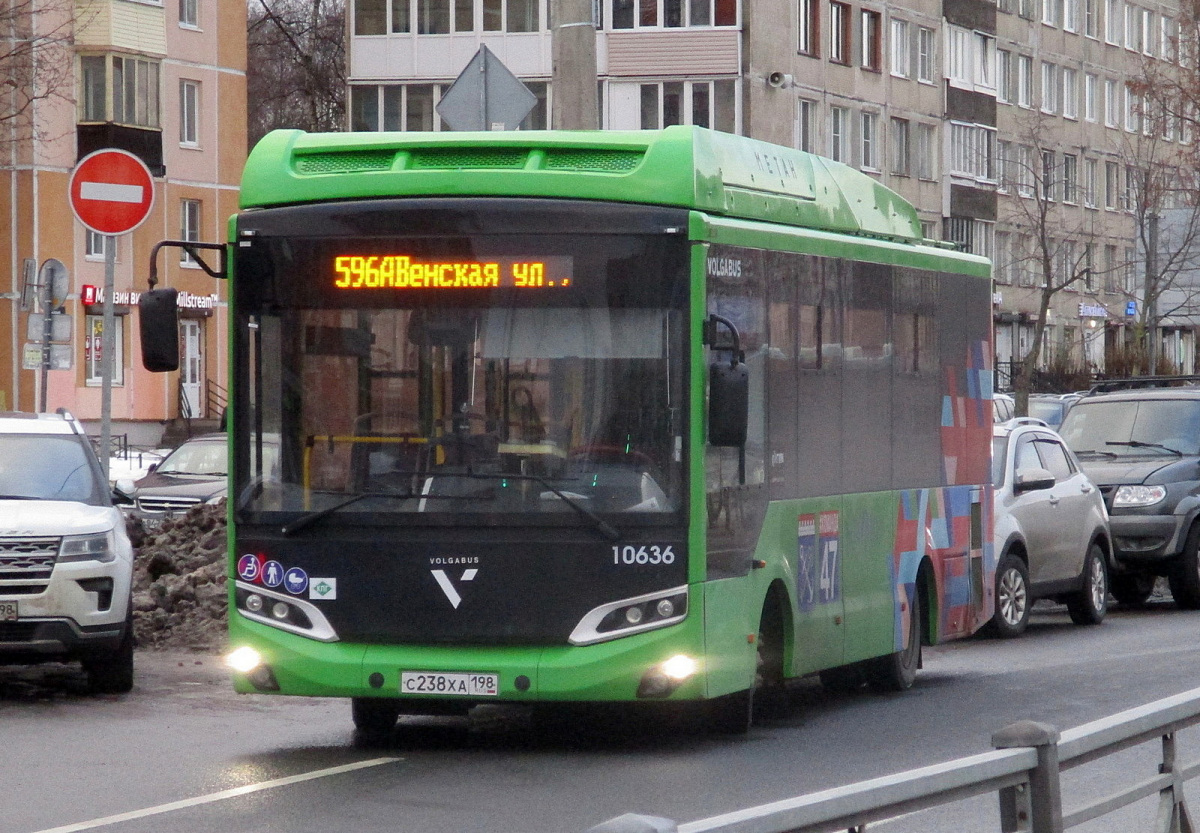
[(183, 753)]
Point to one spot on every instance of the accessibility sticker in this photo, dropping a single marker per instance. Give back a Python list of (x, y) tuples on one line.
[(295, 580), (322, 588)]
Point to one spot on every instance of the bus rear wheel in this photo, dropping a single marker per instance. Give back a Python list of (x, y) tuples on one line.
[(374, 717)]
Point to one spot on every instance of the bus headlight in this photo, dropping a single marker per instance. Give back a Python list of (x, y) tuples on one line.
[(630, 616), (243, 660)]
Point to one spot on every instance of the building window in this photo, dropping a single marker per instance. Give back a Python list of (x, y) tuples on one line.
[(974, 236), (925, 56), (1110, 268), (370, 17), (1131, 111), (1089, 182), (1004, 165), (872, 40), (1131, 188), (926, 151), (1070, 102), (510, 15), (901, 49), (1004, 76), (120, 90), (1025, 8), (1049, 88), (1049, 179), (1050, 12), (702, 103), (1112, 185), (636, 14), (189, 14), (806, 138), (97, 245), (809, 17), (1070, 178), (869, 135), (1110, 103), (1090, 14), (93, 348), (1089, 97), (900, 147), (839, 32), (189, 227), (1133, 28), (1112, 22), (1071, 15), (189, 113), (1025, 80), (1003, 263), (972, 150), (839, 134)]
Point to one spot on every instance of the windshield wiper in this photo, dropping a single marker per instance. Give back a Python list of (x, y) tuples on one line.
[(1094, 451), (312, 517), (602, 526), (20, 497), (1140, 444)]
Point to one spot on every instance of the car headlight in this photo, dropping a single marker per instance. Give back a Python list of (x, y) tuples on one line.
[(1128, 496), (100, 546)]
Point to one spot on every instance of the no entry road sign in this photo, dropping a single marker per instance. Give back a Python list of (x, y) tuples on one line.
[(111, 191)]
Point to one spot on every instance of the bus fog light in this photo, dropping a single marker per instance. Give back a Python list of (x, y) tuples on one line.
[(244, 660), (254, 603), (280, 610), (633, 615), (665, 608), (679, 667)]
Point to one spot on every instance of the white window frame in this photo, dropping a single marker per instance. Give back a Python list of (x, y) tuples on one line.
[(189, 113), (1112, 22), (1070, 93), (1049, 87), (93, 330), (868, 136), (901, 147), (926, 58), (1025, 81), (1111, 104), (839, 134), (926, 151), (1090, 167), (1071, 15), (1090, 82), (901, 49), (1004, 88), (189, 14), (189, 228), (96, 243)]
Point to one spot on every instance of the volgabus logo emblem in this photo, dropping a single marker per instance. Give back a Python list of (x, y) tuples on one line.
[(449, 580)]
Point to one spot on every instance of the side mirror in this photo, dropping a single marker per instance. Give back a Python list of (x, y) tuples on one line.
[(728, 403), (123, 491), (1032, 480), (158, 314)]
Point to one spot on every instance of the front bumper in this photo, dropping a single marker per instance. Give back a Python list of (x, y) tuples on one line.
[(1146, 540), (605, 672)]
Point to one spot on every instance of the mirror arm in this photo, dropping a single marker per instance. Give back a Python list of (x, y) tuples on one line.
[(710, 337), (193, 248)]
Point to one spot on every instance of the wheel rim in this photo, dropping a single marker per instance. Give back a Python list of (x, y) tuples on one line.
[(1099, 587), (1011, 596)]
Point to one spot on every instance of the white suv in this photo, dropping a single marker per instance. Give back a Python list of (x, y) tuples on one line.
[(66, 564)]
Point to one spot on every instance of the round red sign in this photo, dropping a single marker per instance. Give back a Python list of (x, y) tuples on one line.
[(111, 191)]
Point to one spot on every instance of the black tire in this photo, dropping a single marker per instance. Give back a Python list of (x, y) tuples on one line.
[(898, 671), (770, 695), (1131, 589), (1088, 606), (1013, 601), (111, 672), (374, 717), (1185, 577), (732, 714)]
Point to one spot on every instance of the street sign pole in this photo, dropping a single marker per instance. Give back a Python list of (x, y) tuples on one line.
[(47, 300), (107, 348)]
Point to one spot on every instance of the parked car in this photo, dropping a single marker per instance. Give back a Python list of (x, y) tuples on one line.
[(1139, 441), (1050, 408), (66, 563), (1051, 528), (1003, 407)]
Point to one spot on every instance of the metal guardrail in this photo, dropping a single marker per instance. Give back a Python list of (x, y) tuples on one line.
[(1023, 770)]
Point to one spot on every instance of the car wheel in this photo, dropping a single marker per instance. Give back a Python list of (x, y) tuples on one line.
[(1185, 577), (1132, 588), (898, 671), (1088, 606), (374, 717), (1012, 597), (111, 672)]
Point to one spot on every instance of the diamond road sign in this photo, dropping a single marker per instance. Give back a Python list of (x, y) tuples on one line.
[(486, 96)]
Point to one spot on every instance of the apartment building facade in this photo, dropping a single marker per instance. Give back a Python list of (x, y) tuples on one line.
[(976, 112), (164, 80)]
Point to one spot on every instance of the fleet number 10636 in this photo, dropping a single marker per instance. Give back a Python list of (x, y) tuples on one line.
[(652, 554)]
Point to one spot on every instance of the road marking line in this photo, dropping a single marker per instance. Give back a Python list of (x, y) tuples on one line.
[(110, 192), (217, 796)]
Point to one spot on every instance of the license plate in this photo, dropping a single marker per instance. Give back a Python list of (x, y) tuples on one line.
[(8, 611), (462, 684)]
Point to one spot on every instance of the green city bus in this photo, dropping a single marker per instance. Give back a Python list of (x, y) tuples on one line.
[(594, 417)]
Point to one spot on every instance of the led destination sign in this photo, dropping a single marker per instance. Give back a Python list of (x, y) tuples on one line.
[(402, 272)]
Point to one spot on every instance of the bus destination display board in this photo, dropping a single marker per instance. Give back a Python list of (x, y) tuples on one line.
[(403, 272)]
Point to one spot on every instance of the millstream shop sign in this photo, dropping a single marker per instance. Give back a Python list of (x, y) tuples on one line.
[(95, 295)]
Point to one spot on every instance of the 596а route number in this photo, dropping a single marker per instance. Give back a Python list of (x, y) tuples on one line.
[(652, 554)]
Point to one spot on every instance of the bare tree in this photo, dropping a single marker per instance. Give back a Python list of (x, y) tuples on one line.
[(297, 65), (36, 37), (1048, 225)]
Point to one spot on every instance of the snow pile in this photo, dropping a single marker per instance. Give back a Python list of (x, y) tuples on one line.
[(179, 596)]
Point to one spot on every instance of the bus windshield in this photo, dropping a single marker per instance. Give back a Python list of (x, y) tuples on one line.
[(496, 407)]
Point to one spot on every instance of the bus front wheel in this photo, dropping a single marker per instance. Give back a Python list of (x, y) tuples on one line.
[(374, 717)]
